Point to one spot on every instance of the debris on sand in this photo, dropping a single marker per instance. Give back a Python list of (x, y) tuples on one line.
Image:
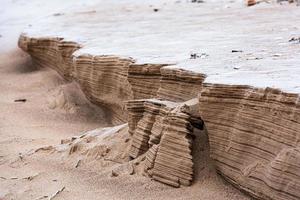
[(65, 141), (30, 178), (78, 163), (20, 100), (58, 14), (289, 1), (197, 1), (155, 9), (277, 55), (196, 55), (21, 156), (193, 56), (75, 137), (295, 39), (236, 51), (251, 2), (114, 174), (254, 58), (56, 193), (111, 160), (42, 197)]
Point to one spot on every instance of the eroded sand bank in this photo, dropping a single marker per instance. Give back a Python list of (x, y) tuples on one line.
[(253, 131), (34, 164)]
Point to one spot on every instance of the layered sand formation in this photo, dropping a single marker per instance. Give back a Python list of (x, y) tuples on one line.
[(253, 133), (254, 138), (169, 97)]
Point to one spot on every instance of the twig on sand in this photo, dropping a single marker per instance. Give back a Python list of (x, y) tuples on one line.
[(56, 193), (21, 156), (107, 159), (30, 178), (20, 100), (78, 163), (43, 197)]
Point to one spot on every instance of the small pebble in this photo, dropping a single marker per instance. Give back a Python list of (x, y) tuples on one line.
[(114, 174)]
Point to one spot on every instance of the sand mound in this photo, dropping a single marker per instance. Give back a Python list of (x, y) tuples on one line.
[(106, 144), (68, 98)]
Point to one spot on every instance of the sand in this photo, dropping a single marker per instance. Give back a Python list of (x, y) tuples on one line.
[(35, 165), (179, 29), (47, 146), (36, 123)]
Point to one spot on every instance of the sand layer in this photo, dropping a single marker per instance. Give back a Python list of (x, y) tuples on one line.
[(178, 118), (35, 165)]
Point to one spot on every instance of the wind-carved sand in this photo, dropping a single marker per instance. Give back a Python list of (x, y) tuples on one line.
[(171, 95)]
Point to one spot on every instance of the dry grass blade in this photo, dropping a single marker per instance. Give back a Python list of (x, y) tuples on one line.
[(56, 193)]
